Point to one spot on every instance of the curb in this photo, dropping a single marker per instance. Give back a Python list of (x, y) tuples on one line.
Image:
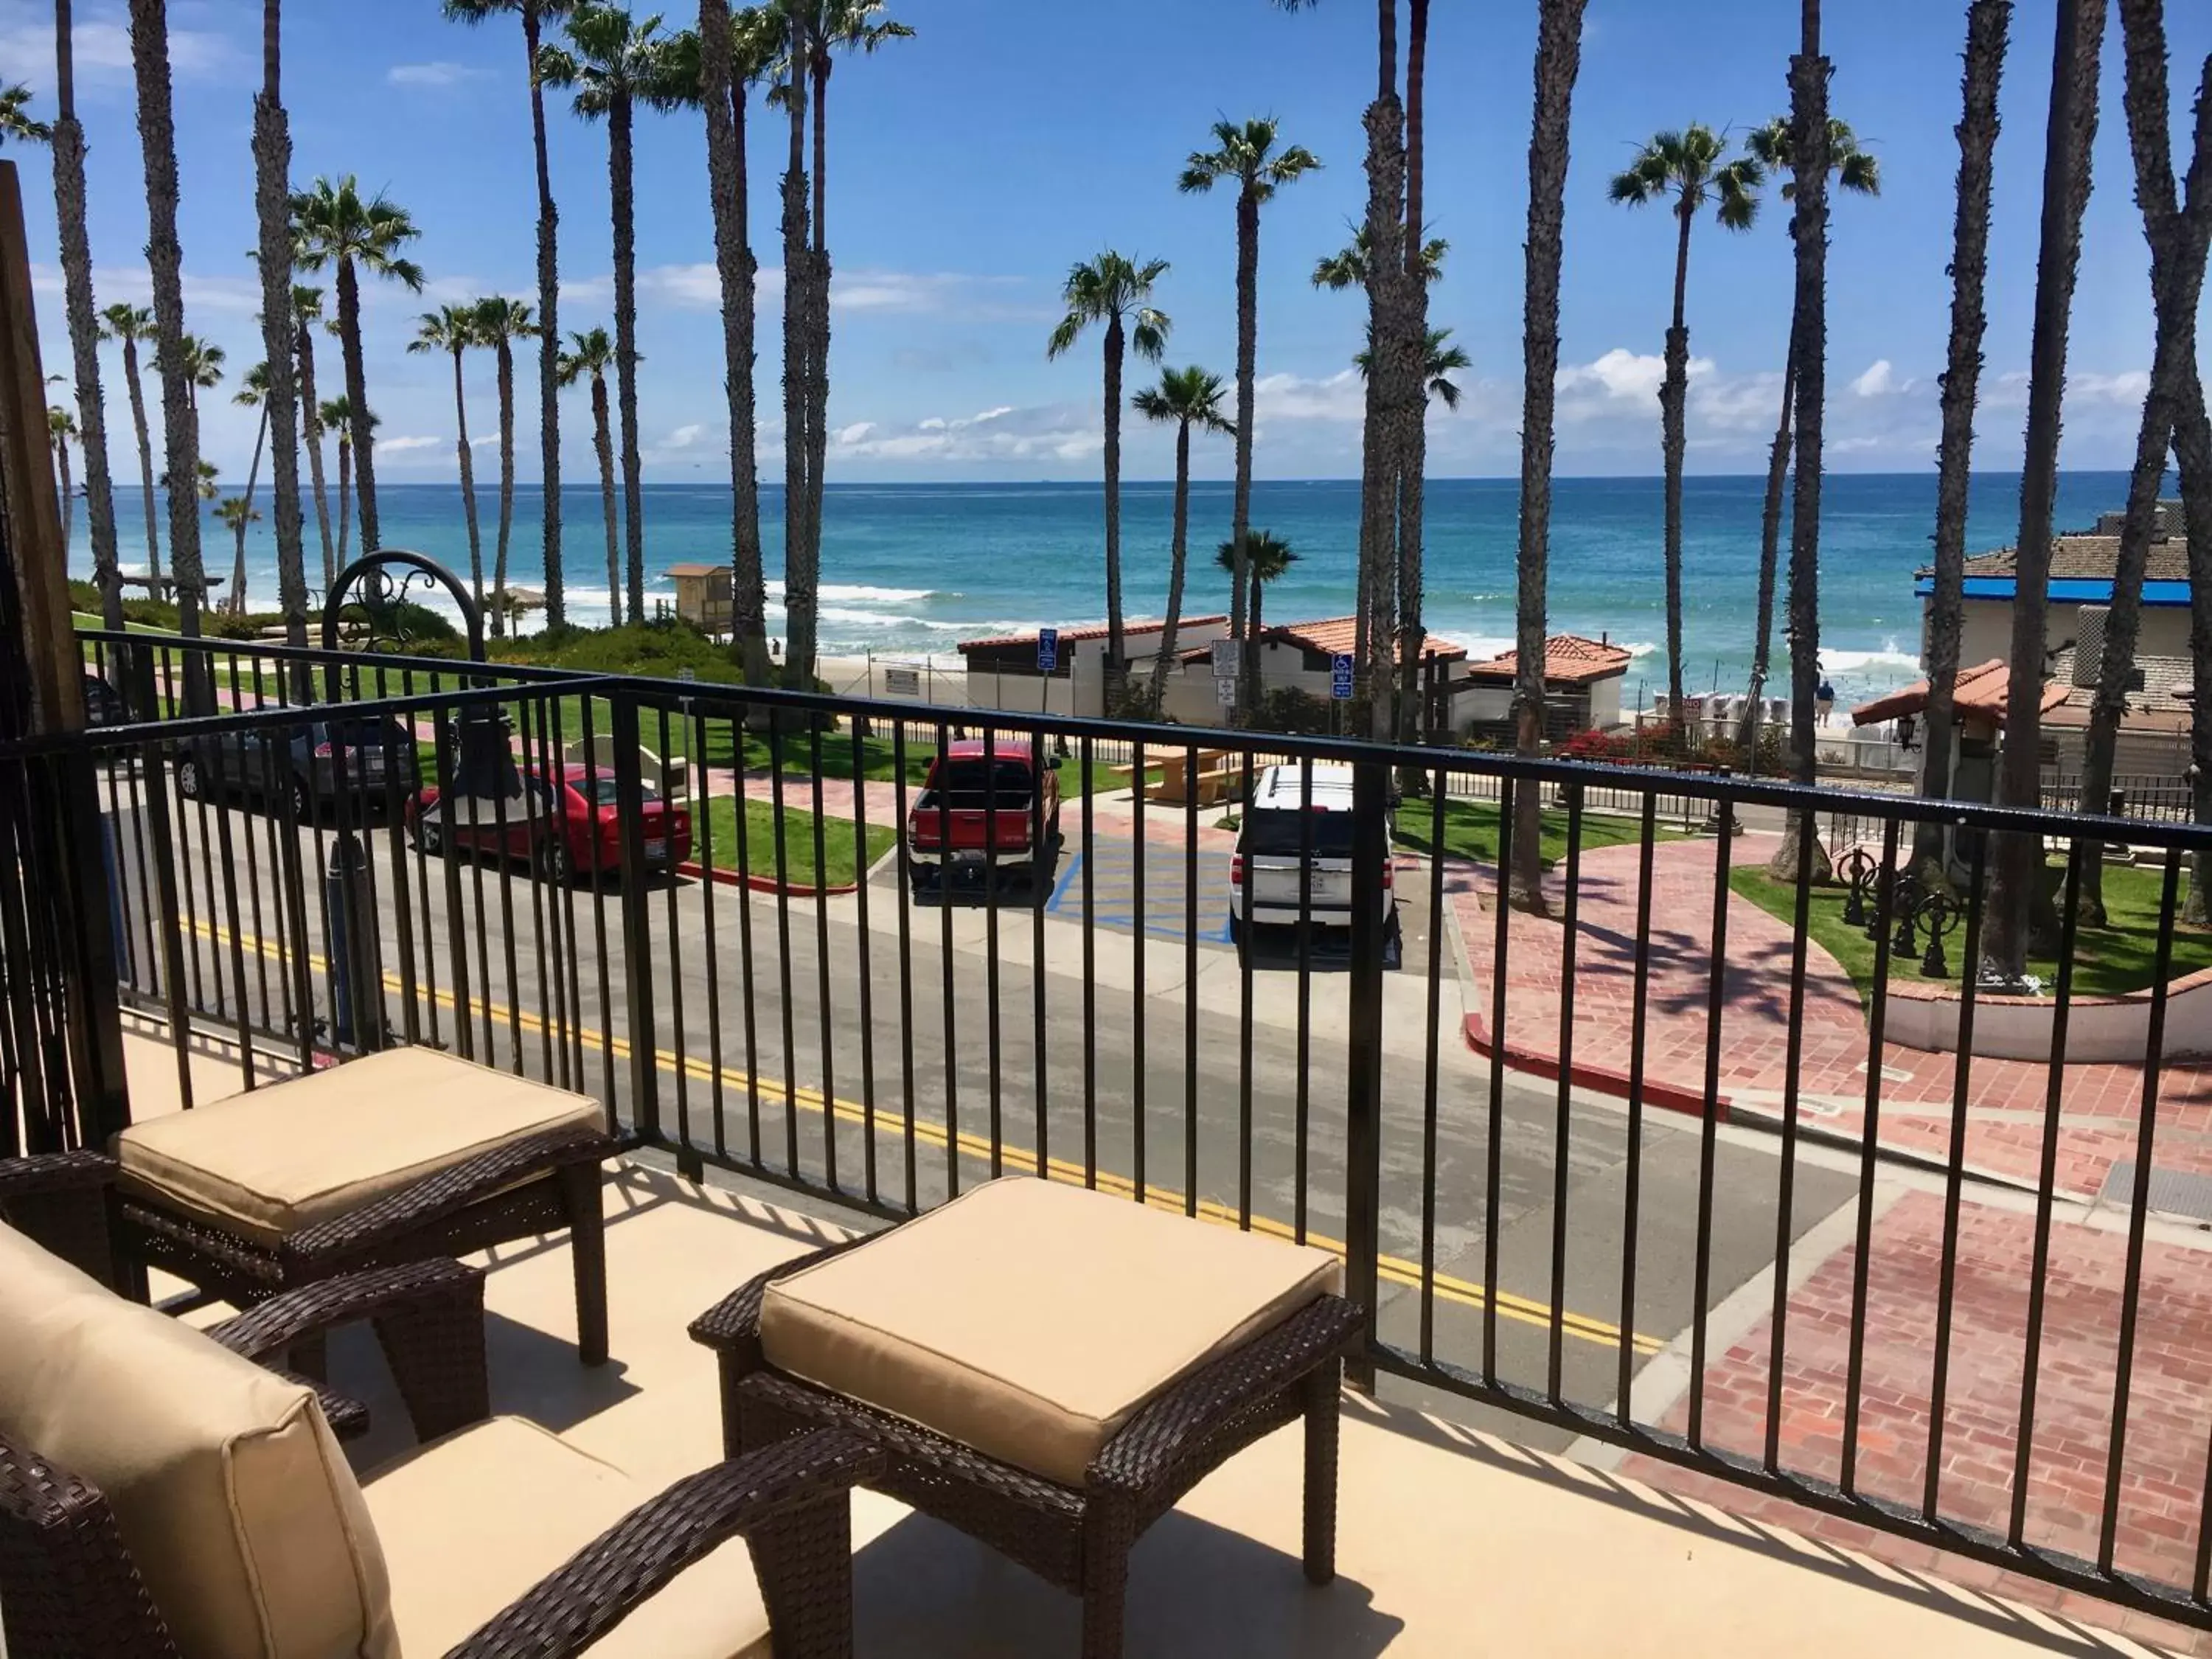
[(1600, 1079), (763, 884)]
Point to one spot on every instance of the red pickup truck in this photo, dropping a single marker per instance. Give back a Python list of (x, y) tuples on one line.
[(971, 804)]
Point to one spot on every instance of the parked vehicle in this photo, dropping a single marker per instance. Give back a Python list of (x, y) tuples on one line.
[(1270, 880), (373, 757), (562, 824), (976, 812), (103, 703)]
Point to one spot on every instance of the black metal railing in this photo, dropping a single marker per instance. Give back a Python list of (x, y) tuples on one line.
[(1541, 1145)]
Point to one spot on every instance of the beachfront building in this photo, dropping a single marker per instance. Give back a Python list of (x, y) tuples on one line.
[(1006, 672), (1298, 657), (1582, 679), (702, 596)]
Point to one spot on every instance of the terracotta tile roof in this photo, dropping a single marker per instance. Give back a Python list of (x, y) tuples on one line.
[(1071, 635), (1336, 636), (2091, 558), (1982, 689), (1569, 659)]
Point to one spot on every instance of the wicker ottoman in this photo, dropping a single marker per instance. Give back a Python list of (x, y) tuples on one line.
[(1048, 1369)]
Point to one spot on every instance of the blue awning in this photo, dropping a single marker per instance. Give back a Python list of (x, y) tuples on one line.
[(2064, 590)]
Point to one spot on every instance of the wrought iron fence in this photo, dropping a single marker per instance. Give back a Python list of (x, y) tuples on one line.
[(781, 937)]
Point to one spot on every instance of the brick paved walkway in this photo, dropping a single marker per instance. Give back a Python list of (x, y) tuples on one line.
[(2162, 1485), (2100, 1105)]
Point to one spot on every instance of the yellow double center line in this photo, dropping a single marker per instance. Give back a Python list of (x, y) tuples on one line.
[(1396, 1270)]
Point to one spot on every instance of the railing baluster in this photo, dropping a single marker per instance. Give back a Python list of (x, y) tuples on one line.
[(1299, 1198), (942, 778), (1708, 1132), (1869, 1153), (1493, 1161), (991, 944), (703, 852), (1786, 1193), (825, 1011), (1138, 921), (908, 1104), (1632, 1193), (861, 866), (1432, 1050), (1089, 976), (1562, 1121), (687, 1156)]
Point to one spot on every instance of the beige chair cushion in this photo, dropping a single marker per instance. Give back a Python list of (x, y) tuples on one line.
[(281, 1158), (472, 1521), (1030, 1319), (232, 1497)]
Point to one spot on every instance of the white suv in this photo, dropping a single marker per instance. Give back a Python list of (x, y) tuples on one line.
[(1264, 873)]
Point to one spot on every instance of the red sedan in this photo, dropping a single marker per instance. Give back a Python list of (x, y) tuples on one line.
[(556, 827)]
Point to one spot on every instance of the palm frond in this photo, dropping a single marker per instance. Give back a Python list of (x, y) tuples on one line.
[(1149, 339)]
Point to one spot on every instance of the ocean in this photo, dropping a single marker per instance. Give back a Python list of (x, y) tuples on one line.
[(909, 570)]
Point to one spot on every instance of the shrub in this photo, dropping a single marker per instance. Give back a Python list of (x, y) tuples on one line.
[(1286, 708)]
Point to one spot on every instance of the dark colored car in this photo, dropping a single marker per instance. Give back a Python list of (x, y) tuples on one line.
[(103, 703), (376, 758), (569, 824)]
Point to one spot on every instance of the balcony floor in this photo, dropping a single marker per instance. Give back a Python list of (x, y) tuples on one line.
[(1451, 1541)]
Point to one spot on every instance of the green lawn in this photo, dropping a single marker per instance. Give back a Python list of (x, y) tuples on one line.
[(839, 865), (2107, 961), (1471, 830)]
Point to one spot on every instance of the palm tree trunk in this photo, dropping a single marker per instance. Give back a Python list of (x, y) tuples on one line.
[(625, 229), (724, 103), (1559, 63), (2018, 885), (817, 356), (549, 323), (1414, 460), (1986, 24), (272, 174), (1240, 517), (236, 603), (1673, 437), (2177, 253), (603, 443), (311, 423), (2192, 445), (145, 453), (1378, 499), (1769, 562), (799, 570), (68, 497), (364, 460), (345, 497), (157, 136), (505, 356), (1808, 229), (1114, 345), (83, 324), (468, 483), (1178, 554)]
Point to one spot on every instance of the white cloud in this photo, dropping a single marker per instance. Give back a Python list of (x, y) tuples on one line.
[(856, 432), (438, 72), (100, 40), (1877, 380), (697, 286), (1339, 397), (2129, 386), (134, 285), (1003, 432), (684, 436), (1622, 374), (397, 446)]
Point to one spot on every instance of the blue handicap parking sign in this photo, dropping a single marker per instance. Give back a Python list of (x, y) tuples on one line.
[(1048, 649), (1340, 676)]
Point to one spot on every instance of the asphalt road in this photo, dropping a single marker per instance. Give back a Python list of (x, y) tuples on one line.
[(892, 1051)]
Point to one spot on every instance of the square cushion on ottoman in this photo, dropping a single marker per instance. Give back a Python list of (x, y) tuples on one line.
[(268, 1163), (234, 1500), (1031, 1319)]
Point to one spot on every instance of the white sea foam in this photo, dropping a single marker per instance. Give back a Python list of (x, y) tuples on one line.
[(1889, 659), (859, 593)]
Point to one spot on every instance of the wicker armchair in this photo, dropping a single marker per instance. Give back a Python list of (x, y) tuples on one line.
[(69, 1584)]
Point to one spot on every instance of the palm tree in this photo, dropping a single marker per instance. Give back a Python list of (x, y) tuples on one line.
[(61, 432), (1265, 559), (1184, 399), (235, 512), (802, 561), (1559, 64), (307, 311), (338, 412), (165, 260), (1986, 24), (272, 212), (614, 62), (735, 50), (1856, 170), (592, 354), (454, 329), (1248, 154), (500, 322), (1440, 360), (1347, 267), (84, 331), (130, 324), (2177, 233), (333, 226), (252, 393), (203, 361), (15, 121), (1113, 289), (2017, 885), (534, 15), (1687, 165), (204, 486)]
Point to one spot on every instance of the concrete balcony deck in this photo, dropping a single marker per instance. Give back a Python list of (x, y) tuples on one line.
[(1452, 1542)]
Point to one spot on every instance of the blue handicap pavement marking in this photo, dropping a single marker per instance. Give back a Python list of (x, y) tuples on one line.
[(1112, 870)]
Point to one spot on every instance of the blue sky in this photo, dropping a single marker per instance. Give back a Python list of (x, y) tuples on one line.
[(970, 166)]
